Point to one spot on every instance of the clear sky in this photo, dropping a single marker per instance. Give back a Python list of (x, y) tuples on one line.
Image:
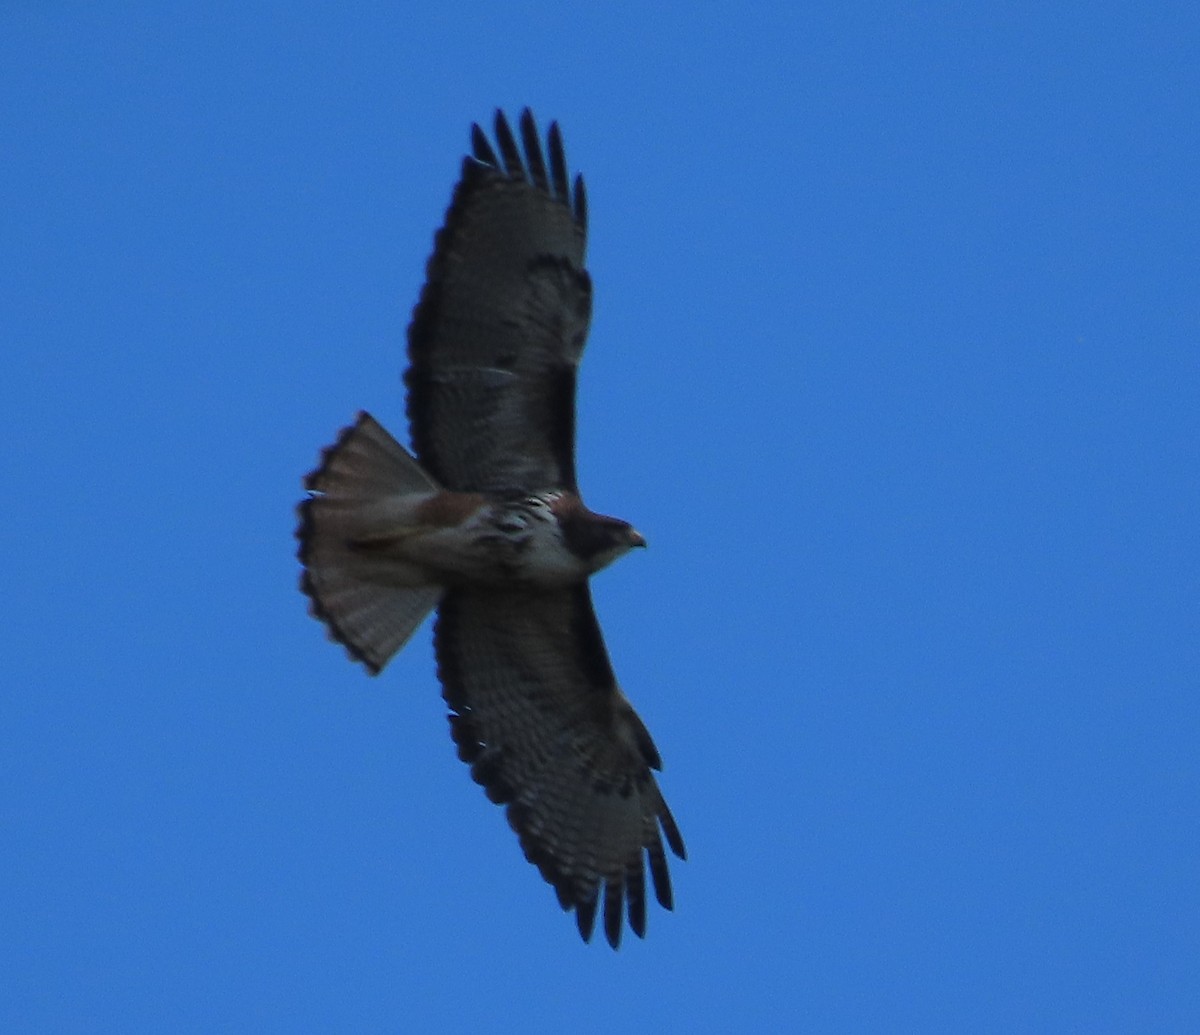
[(895, 362)]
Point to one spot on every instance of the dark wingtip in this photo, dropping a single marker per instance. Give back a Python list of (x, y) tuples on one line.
[(635, 898), (509, 151), (585, 917), (581, 212), (614, 902), (660, 875), (558, 163), (674, 839), (533, 151), (481, 147)]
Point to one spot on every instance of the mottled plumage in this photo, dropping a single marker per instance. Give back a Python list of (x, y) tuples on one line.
[(487, 525)]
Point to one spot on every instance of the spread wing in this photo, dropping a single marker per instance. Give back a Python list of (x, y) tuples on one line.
[(496, 338), (537, 713)]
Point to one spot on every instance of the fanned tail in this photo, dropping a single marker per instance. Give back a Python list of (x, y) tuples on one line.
[(369, 605)]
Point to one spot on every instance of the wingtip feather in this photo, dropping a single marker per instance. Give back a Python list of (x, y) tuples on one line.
[(585, 917), (581, 209), (558, 162), (635, 897), (509, 151), (614, 901), (533, 151), (481, 147)]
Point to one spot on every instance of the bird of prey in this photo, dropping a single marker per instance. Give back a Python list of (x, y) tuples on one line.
[(486, 525)]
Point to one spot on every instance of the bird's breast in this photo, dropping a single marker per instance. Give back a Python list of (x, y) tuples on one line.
[(472, 541)]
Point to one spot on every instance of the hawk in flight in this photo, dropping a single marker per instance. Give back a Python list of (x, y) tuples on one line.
[(486, 525)]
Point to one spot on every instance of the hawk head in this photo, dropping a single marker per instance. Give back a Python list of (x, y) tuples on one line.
[(596, 539)]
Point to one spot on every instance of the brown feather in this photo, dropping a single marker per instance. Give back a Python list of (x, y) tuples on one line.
[(448, 509), (537, 714), (498, 333), (371, 617)]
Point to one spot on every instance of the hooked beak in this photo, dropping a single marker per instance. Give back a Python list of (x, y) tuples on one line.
[(636, 538)]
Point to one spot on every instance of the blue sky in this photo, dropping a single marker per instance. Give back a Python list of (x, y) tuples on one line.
[(894, 361)]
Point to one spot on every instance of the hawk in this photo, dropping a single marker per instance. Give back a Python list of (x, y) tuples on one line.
[(486, 525)]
